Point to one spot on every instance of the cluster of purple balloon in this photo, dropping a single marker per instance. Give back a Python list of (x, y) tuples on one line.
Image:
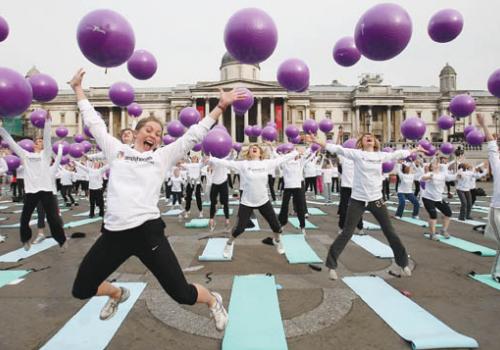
[(217, 143), (242, 106)]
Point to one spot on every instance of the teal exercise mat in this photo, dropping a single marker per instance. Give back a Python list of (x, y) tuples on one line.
[(20, 253), (470, 222), (86, 331), (196, 223), (367, 225), (295, 223), (254, 315), (82, 222), (173, 212), (373, 246), (312, 211), (417, 222), (412, 322), (214, 250), (466, 245), (9, 276), (17, 224), (220, 212), (298, 251), (486, 279)]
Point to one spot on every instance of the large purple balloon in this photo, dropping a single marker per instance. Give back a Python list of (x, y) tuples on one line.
[(295, 140), (105, 38), (494, 83), (121, 94), (445, 25), (87, 132), (446, 122), (250, 35), (27, 145), (4, 29), (447, 148), (15, 93), (237, 146), (220, 127), (197, 147), (241, 106), (65, 149), (383, 32), (431, 151), (4, 144), (256, 131), (413, 128), (168, 139), (44, 87), (387, 149), (425, 144), (269, 133), (345, 52), (462, 105), (315, 147), (134, 109), (79, 138), (468, 129), (350, 143), (37, 118), (310, 126), (272, 124), (189, 116), (12, 161), (142, 65), (87, 146), (175, 128), (76, 150), (61, 131), (475, 138), (248, 130), (217, 143), (293, 75), (326, 125), (288, 147), (65, 160), (388, 166), (292, 131)]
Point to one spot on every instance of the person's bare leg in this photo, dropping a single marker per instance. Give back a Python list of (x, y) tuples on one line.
[(204, 296), (107, 289)]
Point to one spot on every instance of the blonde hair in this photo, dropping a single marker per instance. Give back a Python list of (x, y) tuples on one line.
[(246, 154), (359, 142)]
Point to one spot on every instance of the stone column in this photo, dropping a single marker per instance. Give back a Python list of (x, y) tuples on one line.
[(284, 118), (110, 126), (123, 123), (233, 124), (245, 121), (370, 121), (306, 112), (173, 113), (272, 110), (355, 128), (193, 104), (80, 122), (389, 123), (259, 116), (207, 106)]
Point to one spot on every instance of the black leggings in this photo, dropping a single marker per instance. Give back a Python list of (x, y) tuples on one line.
[(66, 191), (244, 213), (281, 184), (299, 201), (49, 204), (149, 244), (168, 190), (345, 195), (431, 206), (96, 198), (176, 197), (229, 181), (20, 187), (189, 196), (270, 183), (385, 189), (417, 187), (335, 182), (222, 191), (311, 184)]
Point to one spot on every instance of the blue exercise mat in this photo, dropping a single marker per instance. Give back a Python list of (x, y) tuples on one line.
[(470, 222), (20, 253), (316, 212), (214, 250), (254, 315), (417, 222), (220, 212), (173, 212), (86, 331), (295, 223), (85, 213), (298, 251), (466, 245), (196, 223), (9, 276), (487, 280), (16, 225), (373, 246), (367, 225), (72, 224), (405, 317)]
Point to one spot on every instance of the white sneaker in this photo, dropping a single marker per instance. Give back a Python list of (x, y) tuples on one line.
[(340, 231), (279, 245), (303, 231), (27, 245), (227, 250), (445, 234), (212, 225), (2, 238), (110, 308), (433, 237), (219, 313), (201, 214), (65, 245), (306, 215), (416, 217), (362, 232), (405, 271), (186, 215), (333, 274), (39, 238)]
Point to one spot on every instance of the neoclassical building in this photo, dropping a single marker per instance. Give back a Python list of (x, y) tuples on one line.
[(370, 106)]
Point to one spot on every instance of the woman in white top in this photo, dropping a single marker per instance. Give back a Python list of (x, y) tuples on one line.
[(463, 185), (327, 172), (310, 173), (405, 191), (193, 180), (253, 174), (67, 174), (95, 174), (218, 189), (132, 222), (335, 178), (493, 227), (176, 182), (479, 173), (367, 195)]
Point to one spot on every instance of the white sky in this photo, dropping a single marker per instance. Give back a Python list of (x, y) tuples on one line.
[(187, 39)]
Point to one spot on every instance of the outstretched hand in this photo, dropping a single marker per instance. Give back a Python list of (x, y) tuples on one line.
[(77, 79), (480, 119), (227, 98)]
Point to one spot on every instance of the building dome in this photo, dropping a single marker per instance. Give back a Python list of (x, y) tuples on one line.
[(227, 59), (447, 70), (32, 72)]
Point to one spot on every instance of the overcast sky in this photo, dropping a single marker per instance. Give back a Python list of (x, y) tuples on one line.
[(186, 36)]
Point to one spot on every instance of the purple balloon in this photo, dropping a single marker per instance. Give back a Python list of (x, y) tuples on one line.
[(12, 161), (250, 36), (4, 29), (295, 140), (175, 128), (61, 131), (288, 147), (237, 146), (168, 139), (248, 130), (269, 133), (446, 122), (87, 132), (242, 106), (121, 94), (292, 131), (272, 124), (387, 149), (37, 118), (468, 129), (256, 131), (383, 32), (44, 87), (431, 151), (412, 157), (65, 145), (425, 144), (4, 144), (65, 160), (293, 75), (217, 143), (345, 52), (350, 143), (220, 127), (142, 65), (462, 105), (310, 126), (105, 38), (79, 138), (388, 166), (197, 147), (134, 109), (445, 25), (413, 128), (447, 148), (326, 125), (189, 116), (27, 145), (494, 83), (475, 138), (15, 93), (315, 147), (76, 150), (422, 184), (87, 146)]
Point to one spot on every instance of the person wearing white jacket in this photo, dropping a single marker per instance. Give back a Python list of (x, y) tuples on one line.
[(405, 191)]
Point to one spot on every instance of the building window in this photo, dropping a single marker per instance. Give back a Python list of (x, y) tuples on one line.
[(151, 113), (345, 116), (77, 115), (312, 114), (301, 115), (404, 115), (328, 114), (63, 118), (375, 117), (434, 116), (419, 114)]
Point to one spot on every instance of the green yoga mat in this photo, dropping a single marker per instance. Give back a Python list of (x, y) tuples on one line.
[(295, 223), (254, 315), (196, 223), (417, 222), (298, 251), (467, 246), (82, 222), (220, 212), (486, 279), (9, 276)]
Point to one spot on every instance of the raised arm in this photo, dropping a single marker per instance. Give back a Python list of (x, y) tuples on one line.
[(47, 145), (492, 146), (12, 144), (81, 167), (274, 163), (231, 164), (3, 166)]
